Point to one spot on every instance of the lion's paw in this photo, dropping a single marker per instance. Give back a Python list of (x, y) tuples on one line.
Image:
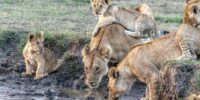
[(38, 77)]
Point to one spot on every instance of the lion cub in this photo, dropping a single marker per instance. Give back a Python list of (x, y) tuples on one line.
[(38, 59), (191, 23), (138, 24), (194, 96)]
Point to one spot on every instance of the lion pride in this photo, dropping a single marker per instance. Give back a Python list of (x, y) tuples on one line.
[(144, 61), (108, 47), (114, 46)]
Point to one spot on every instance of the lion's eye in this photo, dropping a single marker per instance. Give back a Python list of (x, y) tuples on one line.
[(38, 42), (195, 9), (100, 5), (97, 68), (86, 69)]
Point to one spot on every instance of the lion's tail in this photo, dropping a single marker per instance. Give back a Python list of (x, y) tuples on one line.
[(58, 64), (145, 9)]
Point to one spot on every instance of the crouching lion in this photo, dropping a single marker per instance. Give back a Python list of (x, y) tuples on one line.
[(107, 48), (38, 59), (143, 62)]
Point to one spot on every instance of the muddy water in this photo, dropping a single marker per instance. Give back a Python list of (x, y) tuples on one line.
[(26, 89), (59, 85)]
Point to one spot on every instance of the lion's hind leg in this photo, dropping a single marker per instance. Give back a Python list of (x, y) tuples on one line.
[(41, 72)]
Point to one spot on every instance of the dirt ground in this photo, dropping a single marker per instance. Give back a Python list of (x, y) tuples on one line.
[(59, 85)]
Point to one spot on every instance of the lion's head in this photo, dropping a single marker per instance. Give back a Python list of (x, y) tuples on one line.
[(117, 84), (100, 6), (95, 65), (192, 12), (36, 42)]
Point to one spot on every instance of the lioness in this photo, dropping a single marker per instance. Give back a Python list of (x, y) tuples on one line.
[(38, 59), (108, 47), (143, 62), (185, 36), (138, 24)]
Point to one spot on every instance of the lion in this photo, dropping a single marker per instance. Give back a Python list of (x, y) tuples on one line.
[(137, 24), (145, 9), (194, 96), (143, 62), (191, 19), (105, 49), (38, 59)]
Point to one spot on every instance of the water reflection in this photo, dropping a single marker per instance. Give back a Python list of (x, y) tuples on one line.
[(135, 93), (86, 94)]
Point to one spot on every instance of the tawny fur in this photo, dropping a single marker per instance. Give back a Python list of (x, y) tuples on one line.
[(113, 46), (194, 96), (145, 9), (186, 35), (143, 62), (138, 24), (39, 60)]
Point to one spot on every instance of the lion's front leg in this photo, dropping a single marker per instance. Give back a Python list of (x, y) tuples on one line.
[(103, 22), (29, 68), (153, 87), (41, 71), (151, 77)]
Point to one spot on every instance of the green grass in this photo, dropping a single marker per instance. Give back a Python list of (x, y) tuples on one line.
[(169, 19), (57, 42), (54, 16), (198, 83), (84, 1)]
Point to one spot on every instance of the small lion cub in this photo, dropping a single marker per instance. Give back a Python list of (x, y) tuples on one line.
[(138, 25), (194, 96), (38, 59)]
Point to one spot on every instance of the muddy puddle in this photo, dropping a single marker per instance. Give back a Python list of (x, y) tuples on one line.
[(17, 87), (60, 85)]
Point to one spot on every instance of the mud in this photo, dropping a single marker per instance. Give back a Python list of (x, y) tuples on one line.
[(65, 84)]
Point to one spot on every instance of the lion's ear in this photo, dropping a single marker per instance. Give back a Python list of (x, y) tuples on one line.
[(113, 73), (85, 51), (40, 35), (194, 9), (187, 1), (105, 52), (31, 36), (108, 1)]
